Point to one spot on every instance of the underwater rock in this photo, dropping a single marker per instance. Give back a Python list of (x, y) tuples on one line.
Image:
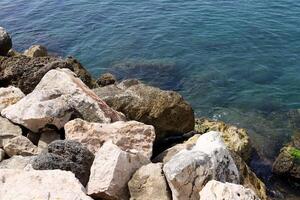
[(5, 42)]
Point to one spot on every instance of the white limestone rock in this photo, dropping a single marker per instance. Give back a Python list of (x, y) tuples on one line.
[(20, 146), (9, 96), (2, 154), (36, 51), (17, 162), (8, 130)]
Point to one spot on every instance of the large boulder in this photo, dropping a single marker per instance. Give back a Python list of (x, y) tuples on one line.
[(16, 162), (56, 99), (8, 130), (236, 139), (189, 170), (126, 135), (36, 51), (5, 42), (167, 111), (66, 155), (215, 190), (25, 72), (9, 96), (149, 183), (20, 145), (41, 185), (111, 171)]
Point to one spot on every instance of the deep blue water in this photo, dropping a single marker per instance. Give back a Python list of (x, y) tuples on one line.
[(235, 60)]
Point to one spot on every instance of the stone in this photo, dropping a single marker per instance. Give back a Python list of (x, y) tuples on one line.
[(149, 183), (36, 51), (13, 52), (47, 136), (236, 139), (106, 79), (130, 135), (41, 185), (5, 42), (66, 155), (25, 73), (189, 170), (56, 99), (215, 190), (16, 162), (167, 111), (2, 154), (8, 130), (20, 145), (9, 96), (111, 172)]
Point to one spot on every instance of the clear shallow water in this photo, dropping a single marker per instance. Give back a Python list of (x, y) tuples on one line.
[(235, 60)]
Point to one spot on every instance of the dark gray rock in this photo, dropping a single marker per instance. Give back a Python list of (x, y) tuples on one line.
[(106, 79), (5, 42)]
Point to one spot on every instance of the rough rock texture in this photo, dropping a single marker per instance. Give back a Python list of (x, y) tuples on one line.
[(130, 135), (215, 190), (66, 155), (16, 162), (165, 110), (47, 136), (40, 185), (5, 42), (111, 171), (25, 72), (106, 79), (36, 51), (236, 139), (8, 130), (189, 170), (20, 145), (2, 154), (9, 96), (55, 99), (149, 183)]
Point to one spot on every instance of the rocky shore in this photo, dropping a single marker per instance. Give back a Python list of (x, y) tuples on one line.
[(64, 135)]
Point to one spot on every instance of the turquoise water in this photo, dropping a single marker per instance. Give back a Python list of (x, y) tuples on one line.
[(235, 60)]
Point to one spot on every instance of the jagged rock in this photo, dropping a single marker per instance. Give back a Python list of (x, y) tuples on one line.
[(111, 171), (106, 79), (47, 136), (9, 96), (8, 130), (5, 42), (36, 51), (126, 135), (2, 154), (236, 139), (20, 145), (41, 185), (149, 183), (58, 97), (16, 162), (189, 170), (215, 190), (167, 111), (25, 72), (13, 52), (66, 155)]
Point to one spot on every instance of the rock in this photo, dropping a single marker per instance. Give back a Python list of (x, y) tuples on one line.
[(106, 79), (8, 130), (167, 111), (20, 145), (41, 185), (5, 42), (189, 170), (12, 53), (236, 139), (2, 154), (149, 183), (47, 136), (130, 135), (25, 72), (56, 99), (215, 190), (66, 155), (16, 162), (9, 96), (111, 171), (36, 51)]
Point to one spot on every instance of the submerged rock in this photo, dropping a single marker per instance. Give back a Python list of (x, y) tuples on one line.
[(20, 145), (36, 51), (130, 135), (41, 185), (16, 162), (167, 111), (8, 130), (106, 79), (5, 42), (111, 171), (25, 72), (9, 96), (56, 99), (215, 190), (149, 183)]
